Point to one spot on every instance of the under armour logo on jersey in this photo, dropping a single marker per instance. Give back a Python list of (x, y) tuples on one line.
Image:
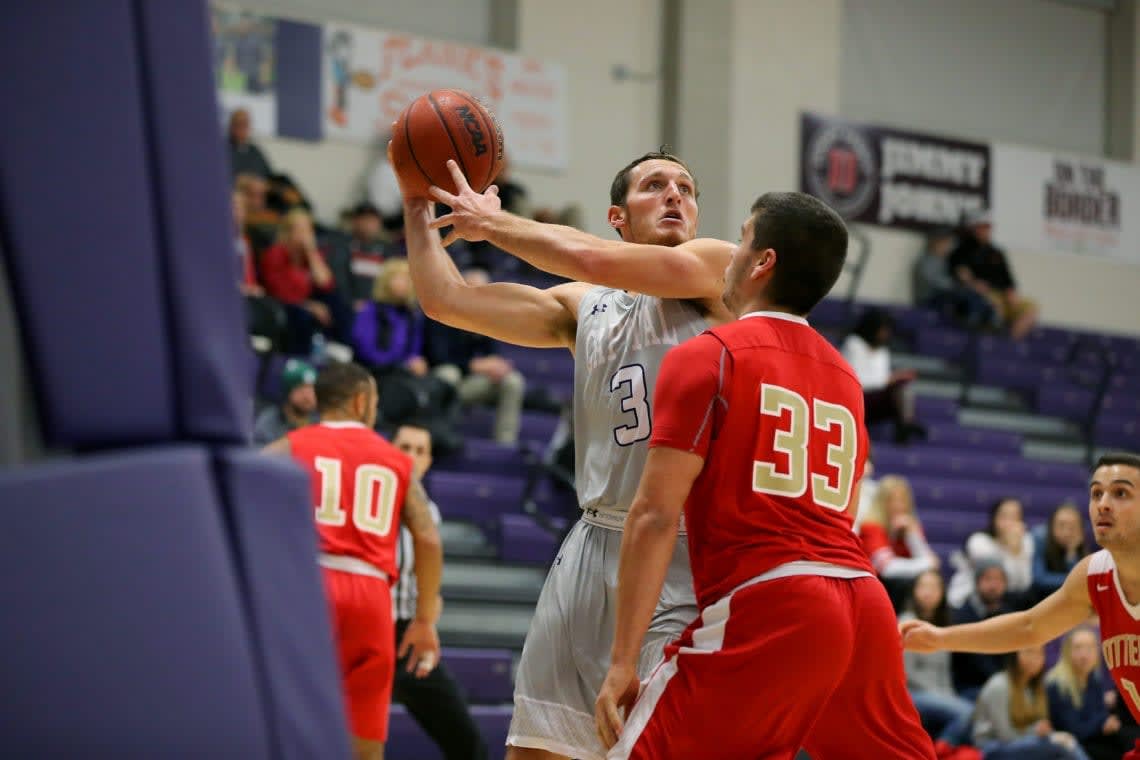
[(598, 308), (558, 560)]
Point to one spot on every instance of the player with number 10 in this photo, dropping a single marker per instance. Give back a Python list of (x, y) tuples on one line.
[(759, 436)]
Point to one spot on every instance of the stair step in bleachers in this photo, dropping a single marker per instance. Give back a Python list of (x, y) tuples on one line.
[(944, 494), (1023, 423), (496, 582), (536, 427), (952, 435), (464, 540), (484, 674), (958, 463), (987, 395), (484, 624)]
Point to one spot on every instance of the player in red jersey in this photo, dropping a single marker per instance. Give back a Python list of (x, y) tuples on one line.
[(1103, 583), (758, 433), (361, 486)]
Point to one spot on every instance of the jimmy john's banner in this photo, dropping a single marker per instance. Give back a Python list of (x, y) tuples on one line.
[(1060, 203), (891, 177), (371, 74)]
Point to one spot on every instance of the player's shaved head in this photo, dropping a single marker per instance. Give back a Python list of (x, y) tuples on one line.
[(338, 383), (810, 241)]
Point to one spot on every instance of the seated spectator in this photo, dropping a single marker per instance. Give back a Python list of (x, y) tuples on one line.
[(981, 266), (295, 273), (936, 288), (1057, 547), (1080, 698), (971, 671), (297, 410), (1006, 540), (893, 538), (468, 362), (887, 395), (1011, 719), (944, 714), (284, 195), (245, 157), (264, 316), (356, 261), (388, 336)]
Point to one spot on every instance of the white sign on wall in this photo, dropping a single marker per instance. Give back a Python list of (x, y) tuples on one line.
[(370, 75), (1059, 203)]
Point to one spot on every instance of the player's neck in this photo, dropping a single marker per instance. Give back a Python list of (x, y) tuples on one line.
[(763, 304), (338, 416)]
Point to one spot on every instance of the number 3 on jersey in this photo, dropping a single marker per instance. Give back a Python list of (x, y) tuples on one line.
[(630, 379), (793, 442), (374, 496)]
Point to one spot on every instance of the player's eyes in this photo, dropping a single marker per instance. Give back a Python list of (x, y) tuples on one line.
[(654, 185)]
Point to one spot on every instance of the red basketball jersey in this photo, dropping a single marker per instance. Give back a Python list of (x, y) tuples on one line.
[(778, 415), (359, 484), (1119, 628)]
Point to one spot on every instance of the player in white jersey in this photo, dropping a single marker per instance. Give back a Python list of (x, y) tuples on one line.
[(661, 285)]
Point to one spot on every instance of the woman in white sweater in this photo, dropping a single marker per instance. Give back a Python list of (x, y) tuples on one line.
[(1006, 540)]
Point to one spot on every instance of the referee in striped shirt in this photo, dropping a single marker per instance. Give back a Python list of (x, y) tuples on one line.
[(434, 700)]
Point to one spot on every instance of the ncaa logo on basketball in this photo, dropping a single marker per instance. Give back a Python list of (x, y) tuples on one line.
[(841, 169), (474, 131)]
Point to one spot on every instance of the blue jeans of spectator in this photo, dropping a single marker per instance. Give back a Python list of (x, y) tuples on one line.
[(1031, 748), (946, 716)]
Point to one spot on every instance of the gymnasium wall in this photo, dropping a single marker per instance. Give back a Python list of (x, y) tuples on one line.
[(746, 70)]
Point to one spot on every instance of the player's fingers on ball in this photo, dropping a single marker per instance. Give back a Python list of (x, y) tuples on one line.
[(457, 175), (442, 195), (492, 190)]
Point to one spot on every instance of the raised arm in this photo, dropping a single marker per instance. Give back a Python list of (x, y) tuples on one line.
[(507, 311), (691, 270), (1062, 610)]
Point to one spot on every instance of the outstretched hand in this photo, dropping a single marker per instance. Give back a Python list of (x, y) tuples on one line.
[(470, 211), (919, 636)]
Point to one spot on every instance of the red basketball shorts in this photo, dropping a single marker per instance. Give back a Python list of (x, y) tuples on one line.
[(802, 661), (365, 634)]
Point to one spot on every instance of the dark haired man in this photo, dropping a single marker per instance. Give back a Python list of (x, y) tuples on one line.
[(363, 488), (759, 436)]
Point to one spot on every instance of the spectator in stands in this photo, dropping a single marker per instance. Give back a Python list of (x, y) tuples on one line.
[(1011, 720), (936, 288), (468, 363), (1057, 547), (297, 410), (284, 195), (295, 273), (260, 221), (981, 266), (945, 714), (893, 538), (1006, 540), (971, 671), (245, 157), (887, 394), (388, 336), (356, 261), (434, 701), (264, 315), (1080, 698)]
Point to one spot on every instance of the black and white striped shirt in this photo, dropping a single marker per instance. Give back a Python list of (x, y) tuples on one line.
[(404, 593)]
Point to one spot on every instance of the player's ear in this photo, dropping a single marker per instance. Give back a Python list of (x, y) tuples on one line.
[(763, 263), (617, 219)]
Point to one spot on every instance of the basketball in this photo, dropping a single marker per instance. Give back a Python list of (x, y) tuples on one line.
[(442, 125)]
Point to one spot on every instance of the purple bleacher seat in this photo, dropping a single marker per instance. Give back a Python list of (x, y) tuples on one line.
[(484, 674), (474, 497), (952, 435), (1067, 401), (484, 456), (943, 342), (909, 319), (123, 614), (521, 539), (1121, 432), (931, 409), (950, 527), (554, 500), (832, 312), (494, 721), (932, 493), (966, 464), (406, 738), (1123, 405), (1038, 351), (534, 427), (267, 501)]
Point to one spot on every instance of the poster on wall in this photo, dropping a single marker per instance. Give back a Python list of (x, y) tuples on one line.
[(1045, 201), (245, 65), (370, 75), (891, 177)]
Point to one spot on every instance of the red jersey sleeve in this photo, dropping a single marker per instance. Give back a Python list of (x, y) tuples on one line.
[(687, 401)]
